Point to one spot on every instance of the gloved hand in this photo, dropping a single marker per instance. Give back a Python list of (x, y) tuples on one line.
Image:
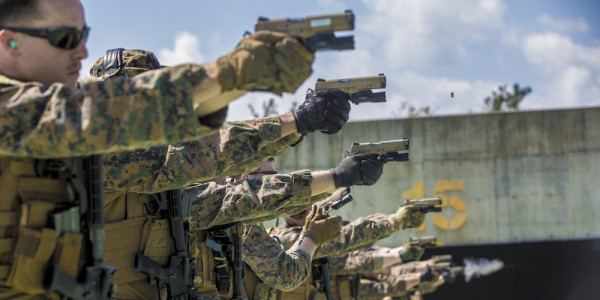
[(410, 252), (408, 217), (320, 227), (325, 110), (448, 275), (429, 275), (357, 169), (266, 60)]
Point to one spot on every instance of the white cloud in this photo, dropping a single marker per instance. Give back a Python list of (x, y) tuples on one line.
[(186, 50), (571, 70), (573, 25), (423, 33)]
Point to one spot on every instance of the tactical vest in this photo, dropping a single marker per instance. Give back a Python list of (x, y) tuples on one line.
[(345, 286), (151, 235), (306, 291), (36, 225), (256, 289)]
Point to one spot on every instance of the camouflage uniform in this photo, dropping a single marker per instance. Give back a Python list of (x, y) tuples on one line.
[(238, 148), (386, 285), (360, 234), (56, 122), (362, 261), (100, 116), (277, 268)]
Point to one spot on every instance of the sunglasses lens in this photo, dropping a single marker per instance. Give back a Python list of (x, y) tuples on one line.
[(68, 39)]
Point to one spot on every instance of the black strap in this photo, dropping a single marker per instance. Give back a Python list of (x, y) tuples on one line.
[(113, 61)]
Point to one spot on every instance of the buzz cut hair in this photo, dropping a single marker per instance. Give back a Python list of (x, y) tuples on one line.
[(18, 12)]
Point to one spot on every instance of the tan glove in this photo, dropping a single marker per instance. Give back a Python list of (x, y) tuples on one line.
[(408, 217), (266, 60), (410, 252), (320, 227)]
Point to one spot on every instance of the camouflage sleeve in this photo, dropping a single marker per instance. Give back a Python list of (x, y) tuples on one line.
[(386, 286), (238, 148), (154, 108), (363, 261), (277, 268), (287, 236), (262, 197), (291, 209), (360, 234)]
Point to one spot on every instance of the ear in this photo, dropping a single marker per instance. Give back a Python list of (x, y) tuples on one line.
[(6, 37), (243, 176)]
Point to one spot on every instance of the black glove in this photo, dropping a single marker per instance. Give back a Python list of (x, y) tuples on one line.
[(357, 169), (325, 110), (448, 276), (428, 275)]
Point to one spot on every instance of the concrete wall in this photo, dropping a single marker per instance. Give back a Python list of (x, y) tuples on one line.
[(503, 177)]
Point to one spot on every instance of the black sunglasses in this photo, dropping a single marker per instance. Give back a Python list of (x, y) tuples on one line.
[(62, 37)]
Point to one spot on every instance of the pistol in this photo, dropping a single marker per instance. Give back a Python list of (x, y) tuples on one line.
[(425, 242), (442, 266), (360, 89), (338, 199), (458, 270), (315, 32), (394, 150), (425, 205), (441, 258)]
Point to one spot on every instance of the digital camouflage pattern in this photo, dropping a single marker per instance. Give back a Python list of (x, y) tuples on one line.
[(99, 116), (362, 261), (360, 234), (386, 285), (411, 267), (277, 268), (134, 63), (249, 199), (238, 148)]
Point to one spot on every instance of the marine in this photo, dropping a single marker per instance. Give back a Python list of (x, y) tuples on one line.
[(207, 200), (48, 115)]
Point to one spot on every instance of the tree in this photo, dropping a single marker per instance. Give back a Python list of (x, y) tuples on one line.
[(505, 100), (269, 108), (412, 111)]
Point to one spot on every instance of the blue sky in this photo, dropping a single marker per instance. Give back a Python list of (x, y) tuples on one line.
[(426, 48)]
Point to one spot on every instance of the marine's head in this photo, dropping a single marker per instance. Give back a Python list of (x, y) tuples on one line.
[(42, 40), (124, 63)]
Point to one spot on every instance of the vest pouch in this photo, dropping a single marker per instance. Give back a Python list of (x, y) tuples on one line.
[(67, 256), (122, 240), (33, 251), (342, 287), (159, 246), (205, 264)]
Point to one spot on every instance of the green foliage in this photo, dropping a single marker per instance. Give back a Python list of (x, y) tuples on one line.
[(506, 100), (412, 111), (269, 108)]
